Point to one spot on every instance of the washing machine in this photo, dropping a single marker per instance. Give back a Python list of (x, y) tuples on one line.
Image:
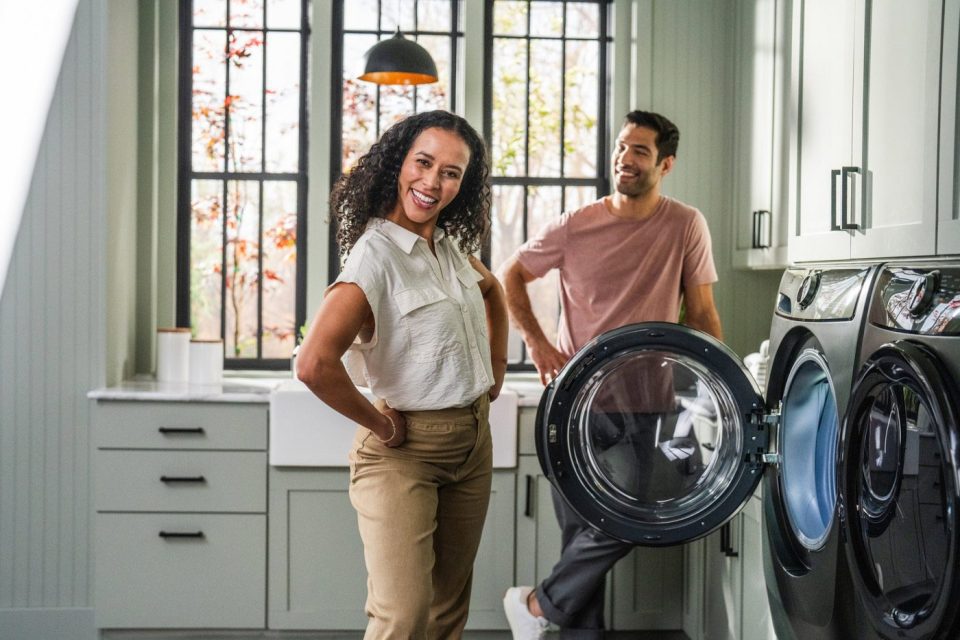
[(899, 457), (814, 338), (657, 435)]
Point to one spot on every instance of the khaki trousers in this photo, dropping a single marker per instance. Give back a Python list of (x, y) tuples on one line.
[(420, 510)]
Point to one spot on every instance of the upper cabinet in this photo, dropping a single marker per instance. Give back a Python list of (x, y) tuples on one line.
[(948, 225), (865, 98), (762, 75)]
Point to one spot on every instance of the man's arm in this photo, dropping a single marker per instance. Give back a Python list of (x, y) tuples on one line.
[(545, 356), (701, 311)]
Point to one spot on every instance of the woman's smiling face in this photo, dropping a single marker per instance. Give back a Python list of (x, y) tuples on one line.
[(429, 180)]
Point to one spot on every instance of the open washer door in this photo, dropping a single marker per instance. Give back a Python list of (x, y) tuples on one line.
[(654, 433), (899, 493)]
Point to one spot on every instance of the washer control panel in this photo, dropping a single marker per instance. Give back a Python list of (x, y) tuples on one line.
[(924, 300), (821, 293)]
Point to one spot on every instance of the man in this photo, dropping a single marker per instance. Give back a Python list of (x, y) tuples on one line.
[(632, 256)]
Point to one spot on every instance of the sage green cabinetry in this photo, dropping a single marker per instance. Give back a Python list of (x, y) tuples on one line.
[(317, 572), (180, 522), (762, 77), (735, 596), (866, 92), (948, 223)]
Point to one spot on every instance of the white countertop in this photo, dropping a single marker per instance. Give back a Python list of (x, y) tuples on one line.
[(257, 389), (231, 390)]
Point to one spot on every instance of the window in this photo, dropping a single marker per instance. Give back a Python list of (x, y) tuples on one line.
[(366, 110), (242, 176), (545, 122)]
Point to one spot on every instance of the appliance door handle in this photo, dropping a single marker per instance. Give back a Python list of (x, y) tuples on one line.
[(834, 174), (844, 173)]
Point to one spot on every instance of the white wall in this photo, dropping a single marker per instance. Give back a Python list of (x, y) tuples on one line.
[(52, 349)]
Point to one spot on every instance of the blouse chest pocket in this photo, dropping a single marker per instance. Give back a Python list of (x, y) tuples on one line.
[(430, 319), (470, 291)]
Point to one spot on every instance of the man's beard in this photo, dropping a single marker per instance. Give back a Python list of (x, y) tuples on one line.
[(635, 188)]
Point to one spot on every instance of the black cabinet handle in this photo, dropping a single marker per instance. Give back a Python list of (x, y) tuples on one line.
[(725, 547), (184, 479), (181, 430), (844, 222), (762, 229), (182, 534), (528, 500), (834, 174)]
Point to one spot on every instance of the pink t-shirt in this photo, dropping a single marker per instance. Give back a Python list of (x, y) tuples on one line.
[(615, 272)]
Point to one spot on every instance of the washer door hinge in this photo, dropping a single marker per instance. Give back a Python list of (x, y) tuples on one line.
[(770, 418)]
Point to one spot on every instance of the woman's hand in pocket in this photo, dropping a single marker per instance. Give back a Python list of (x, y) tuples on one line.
[(395, 431)]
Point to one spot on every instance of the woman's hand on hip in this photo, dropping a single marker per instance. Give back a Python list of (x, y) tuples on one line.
[(394, 431)]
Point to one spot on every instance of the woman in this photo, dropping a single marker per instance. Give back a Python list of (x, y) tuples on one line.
[(423, 323)]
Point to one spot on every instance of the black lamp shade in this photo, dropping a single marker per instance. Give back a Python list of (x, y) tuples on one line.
[(398, 60)]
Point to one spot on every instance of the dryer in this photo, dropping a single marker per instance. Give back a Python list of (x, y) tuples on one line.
[(900, 457), (656, 434)]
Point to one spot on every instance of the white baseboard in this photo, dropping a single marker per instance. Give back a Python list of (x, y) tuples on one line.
[(47, 624)]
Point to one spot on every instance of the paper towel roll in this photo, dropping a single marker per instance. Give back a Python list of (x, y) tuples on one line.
[(206, 361), (173, 355)]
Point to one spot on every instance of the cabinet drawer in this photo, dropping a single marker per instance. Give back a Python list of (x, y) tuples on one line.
[(180, 425), (180, 481), (215, 579)]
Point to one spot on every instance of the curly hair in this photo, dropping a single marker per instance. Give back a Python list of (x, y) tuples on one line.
[(370, 189)]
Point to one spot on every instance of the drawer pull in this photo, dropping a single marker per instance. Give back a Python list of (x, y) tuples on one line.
[(181, 534), (181, 430), (170, 479)]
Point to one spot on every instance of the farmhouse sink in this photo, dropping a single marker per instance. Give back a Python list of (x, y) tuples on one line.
[(304, 432)]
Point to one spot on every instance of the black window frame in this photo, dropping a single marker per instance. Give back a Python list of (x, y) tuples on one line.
[(186, 175), (336, 94), (602, 180)]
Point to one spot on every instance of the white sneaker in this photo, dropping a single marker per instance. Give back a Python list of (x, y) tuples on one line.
[(523, 624)]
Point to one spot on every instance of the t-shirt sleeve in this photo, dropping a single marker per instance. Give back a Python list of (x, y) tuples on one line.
[(358, 271), (698, 267), (545, 251)]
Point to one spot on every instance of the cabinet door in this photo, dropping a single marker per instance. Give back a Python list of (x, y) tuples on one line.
[(825, 91), (538, 535), (948, 224), (317, 577), (493, 569), (760, 239), (899, 216), (647, 589), (722, 597), (317, 572), (756, 622)]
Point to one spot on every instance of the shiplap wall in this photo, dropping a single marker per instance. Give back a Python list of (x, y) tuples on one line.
[(685, 70), (52, 345)]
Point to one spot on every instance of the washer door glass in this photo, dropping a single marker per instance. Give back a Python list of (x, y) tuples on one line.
[(809, 431), (651, 433), (899, 485)]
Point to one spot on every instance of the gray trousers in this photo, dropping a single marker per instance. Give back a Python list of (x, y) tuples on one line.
[(572, 595)]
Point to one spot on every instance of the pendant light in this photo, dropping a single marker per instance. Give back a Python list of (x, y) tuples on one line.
[(398, 60)]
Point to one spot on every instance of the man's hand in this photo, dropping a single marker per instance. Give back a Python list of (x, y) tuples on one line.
[(547, 359)]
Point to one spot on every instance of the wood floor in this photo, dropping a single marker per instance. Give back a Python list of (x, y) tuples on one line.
[(353, 635)]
